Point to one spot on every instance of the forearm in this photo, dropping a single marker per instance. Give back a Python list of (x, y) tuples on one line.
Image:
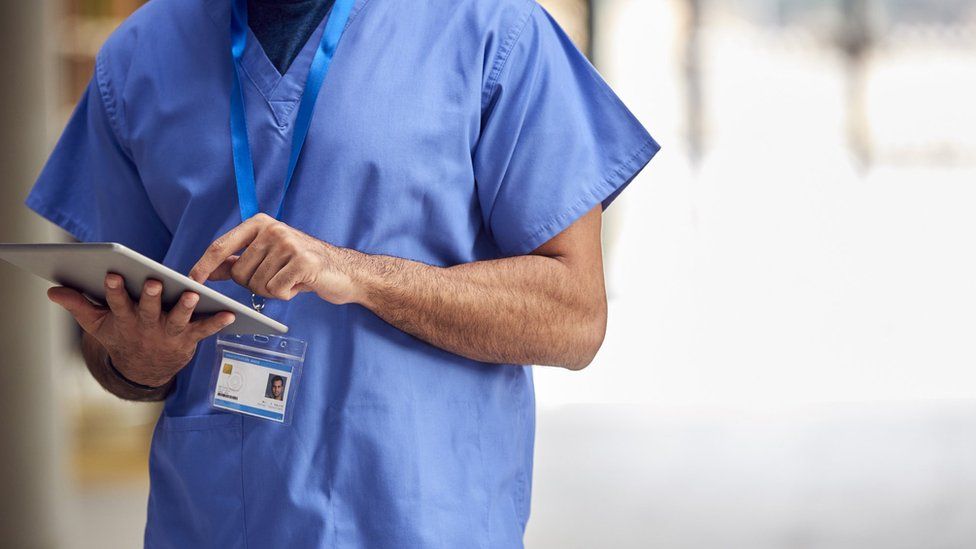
[(548, 307), (520, 310), (97, 360)]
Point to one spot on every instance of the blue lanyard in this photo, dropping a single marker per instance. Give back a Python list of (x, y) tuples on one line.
[(243, 162)]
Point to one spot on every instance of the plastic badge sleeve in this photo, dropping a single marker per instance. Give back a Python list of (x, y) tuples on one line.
[(257, 375)]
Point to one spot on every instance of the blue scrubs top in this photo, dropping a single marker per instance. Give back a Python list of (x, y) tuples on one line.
[(447, 131)]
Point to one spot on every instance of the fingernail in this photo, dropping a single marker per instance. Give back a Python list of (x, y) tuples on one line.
[(153, 289), (112, 282), (190, 300)]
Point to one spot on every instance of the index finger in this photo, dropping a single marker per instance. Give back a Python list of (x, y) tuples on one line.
[(225, 246), (204, 328)]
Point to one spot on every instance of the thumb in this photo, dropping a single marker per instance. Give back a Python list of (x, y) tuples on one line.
[(86, 314)]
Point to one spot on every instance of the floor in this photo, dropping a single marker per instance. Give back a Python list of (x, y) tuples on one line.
[(898, 475)]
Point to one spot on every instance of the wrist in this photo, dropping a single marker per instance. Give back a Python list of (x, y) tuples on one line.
[(148, 386), (352, 268)]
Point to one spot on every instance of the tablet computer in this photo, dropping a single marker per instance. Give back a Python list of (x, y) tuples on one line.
[(83, 266)]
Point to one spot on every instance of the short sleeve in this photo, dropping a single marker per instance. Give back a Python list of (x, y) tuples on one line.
[(91, 188), (555, 139)]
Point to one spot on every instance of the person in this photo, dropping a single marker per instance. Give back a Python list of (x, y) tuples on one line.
[(440, 232), (277, 388)]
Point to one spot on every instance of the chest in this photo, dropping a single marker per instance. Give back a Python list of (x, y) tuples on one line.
[(386, 163)]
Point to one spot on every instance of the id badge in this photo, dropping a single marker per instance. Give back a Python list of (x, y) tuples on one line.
[(257, 375)]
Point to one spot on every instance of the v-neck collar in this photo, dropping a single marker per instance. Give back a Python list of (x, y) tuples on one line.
[(274, 85), (281, 91)]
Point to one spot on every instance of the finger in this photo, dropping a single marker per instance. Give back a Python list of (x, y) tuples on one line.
[(209, 326), (232, 241), (85, 312), (244, 267), (179, 316), (268, 268), (222, 272), (284, 284), (117, 297), (150, 306)]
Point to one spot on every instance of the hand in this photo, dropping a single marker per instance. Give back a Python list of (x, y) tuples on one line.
[(145, 345), (278, 262)]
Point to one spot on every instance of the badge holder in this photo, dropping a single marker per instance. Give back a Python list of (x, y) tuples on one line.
[(257, 375)]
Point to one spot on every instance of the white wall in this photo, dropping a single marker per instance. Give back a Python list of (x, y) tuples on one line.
[(788, 362)]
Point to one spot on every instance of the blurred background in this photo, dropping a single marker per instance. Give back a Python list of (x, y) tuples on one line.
[(788, 362)]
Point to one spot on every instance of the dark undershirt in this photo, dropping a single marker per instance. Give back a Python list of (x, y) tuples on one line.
[(284, 26)]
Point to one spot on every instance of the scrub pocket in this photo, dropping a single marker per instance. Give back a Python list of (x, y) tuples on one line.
[(408, 475), (195, 497)]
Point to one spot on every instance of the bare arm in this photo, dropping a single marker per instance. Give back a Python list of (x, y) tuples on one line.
[(545, 308), (548, 307)]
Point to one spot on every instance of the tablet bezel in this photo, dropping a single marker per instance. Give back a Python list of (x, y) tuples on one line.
[(83, 266)]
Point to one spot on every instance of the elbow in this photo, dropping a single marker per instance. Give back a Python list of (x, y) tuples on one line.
[(589, 338)]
